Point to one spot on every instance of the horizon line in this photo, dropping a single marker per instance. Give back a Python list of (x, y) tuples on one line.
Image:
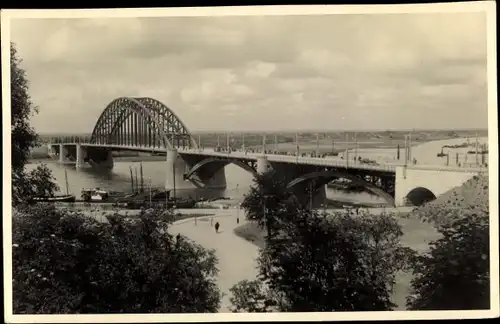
[(309, 131)]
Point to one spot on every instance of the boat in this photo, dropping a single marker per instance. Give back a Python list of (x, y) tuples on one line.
[(156, 198), (95, 194), (441, 154), (56, 198), (478, 152)]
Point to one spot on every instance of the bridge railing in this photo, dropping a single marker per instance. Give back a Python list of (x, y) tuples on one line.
[(330, 162), (296, 159), (285, 158), (471, 168), (69, 139)]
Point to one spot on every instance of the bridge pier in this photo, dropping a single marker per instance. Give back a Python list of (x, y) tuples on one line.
[(50, 150), (80, 155), (98, 158), (212, 177), (262, 164), (63, 153)]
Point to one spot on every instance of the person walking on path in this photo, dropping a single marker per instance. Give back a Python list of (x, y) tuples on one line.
[(217, 227)]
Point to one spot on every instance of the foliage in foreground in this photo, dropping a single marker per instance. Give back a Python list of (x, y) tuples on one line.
[(268, 202), (317, 263), (313, 263), (454, 274), (23, 138), (68, 263)]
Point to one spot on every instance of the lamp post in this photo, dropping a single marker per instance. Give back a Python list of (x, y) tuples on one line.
[(297, 146), (477, 149), (409, 147), (347, 150), (406, 150), (355, 147), (317, 144)]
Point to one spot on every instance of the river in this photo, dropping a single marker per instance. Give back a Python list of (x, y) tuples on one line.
[(238, 181)]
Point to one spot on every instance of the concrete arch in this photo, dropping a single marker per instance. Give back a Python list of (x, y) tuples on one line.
[(221, 162), (419, 196), (324, 177), (158, 117)]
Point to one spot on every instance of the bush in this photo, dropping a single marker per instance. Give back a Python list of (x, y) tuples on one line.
[(454, 274), (252, 233), (312, 262), (68, 263)]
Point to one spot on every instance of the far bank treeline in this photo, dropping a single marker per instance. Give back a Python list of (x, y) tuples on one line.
[(67, 263)]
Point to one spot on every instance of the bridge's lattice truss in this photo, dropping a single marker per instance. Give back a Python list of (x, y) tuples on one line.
[(141, 122)]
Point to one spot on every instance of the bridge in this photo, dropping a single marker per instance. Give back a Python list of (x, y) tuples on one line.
[(147, 125)]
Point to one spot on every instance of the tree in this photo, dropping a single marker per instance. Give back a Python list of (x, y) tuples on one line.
[(40, 183), (249, 296), (454, 274), (268, 201), (24, 138), (315, 262), (68, 263)]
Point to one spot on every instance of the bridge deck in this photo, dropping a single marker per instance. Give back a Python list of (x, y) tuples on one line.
[(304, 160)]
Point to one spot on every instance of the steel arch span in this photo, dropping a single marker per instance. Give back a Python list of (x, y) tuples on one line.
[(141, 122), (323, 177), (221, 164)]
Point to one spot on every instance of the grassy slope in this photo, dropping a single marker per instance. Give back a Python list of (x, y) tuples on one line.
[(473, 194)]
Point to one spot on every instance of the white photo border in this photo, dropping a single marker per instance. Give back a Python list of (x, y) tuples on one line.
[(488, 7)]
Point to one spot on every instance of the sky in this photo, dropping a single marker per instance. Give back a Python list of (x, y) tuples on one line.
[(262, 73)]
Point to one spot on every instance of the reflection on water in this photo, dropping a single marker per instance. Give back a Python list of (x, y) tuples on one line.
[(238, 181)]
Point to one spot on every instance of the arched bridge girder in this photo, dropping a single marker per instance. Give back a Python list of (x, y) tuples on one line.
[(173, 121), (222, 163), (177, 133), (141, 121), (324, 177), (140, 118)]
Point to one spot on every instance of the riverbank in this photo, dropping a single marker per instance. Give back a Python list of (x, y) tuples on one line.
[(100, 214)]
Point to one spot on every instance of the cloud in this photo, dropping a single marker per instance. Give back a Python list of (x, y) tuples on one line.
[(262, 72)]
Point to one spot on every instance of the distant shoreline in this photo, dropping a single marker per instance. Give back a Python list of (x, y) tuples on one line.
[(308, 131)]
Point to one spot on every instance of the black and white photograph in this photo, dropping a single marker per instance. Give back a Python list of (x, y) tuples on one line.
[(196, 163)]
